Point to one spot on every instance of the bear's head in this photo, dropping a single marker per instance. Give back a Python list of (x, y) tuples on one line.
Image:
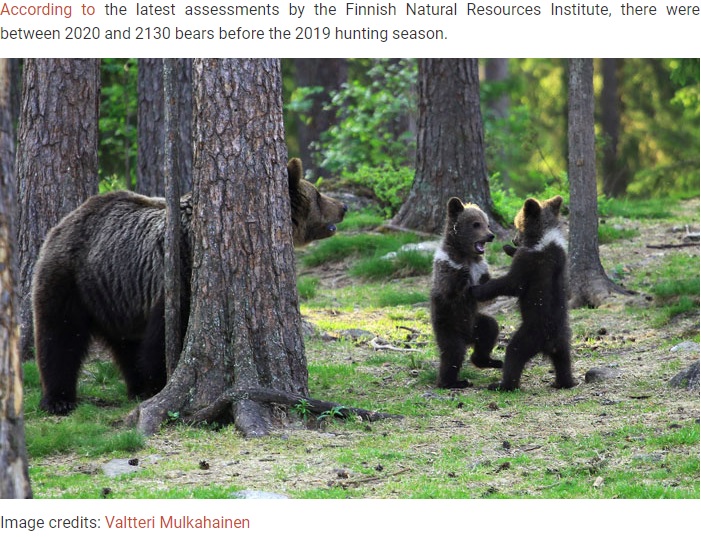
[(314, 215), (538, 223), (466, 231)]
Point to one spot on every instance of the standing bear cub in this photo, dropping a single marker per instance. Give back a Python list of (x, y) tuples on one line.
[(457, 265), (538, 277), (100, 274)]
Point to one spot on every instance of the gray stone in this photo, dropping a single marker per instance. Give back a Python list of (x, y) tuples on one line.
[(258, 495), (686, 346), (689, 378), (599, 374), (117, 467)]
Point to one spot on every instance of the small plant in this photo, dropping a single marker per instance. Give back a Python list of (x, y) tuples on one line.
[(302, 409), (173, 416), (337, 412)]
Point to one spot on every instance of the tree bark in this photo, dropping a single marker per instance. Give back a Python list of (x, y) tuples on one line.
[(245, 327), (589, 285), (615, 177), (450, 146), (14, 476), (328, 74), (150, 128), (57, 158), (171, 261)]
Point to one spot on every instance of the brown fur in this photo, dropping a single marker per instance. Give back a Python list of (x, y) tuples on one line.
[(538, 277), (314, 215), (100, 274), (458, 264)]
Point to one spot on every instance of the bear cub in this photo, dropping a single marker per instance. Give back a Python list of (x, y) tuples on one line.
[(100, 275), (538, 277), (458, 265)]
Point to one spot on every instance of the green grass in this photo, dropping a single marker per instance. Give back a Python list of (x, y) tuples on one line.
[(609, 233), (363, 220), (404, 264), (655, 208), (307, 287), (343, 247)]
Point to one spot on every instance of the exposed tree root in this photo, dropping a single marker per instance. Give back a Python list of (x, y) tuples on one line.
[(250, 412)]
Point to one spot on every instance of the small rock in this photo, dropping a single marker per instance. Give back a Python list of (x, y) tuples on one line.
[(257, 495), (117, 467), (355, 334), (599, 374), (686, 346), (689, 378)]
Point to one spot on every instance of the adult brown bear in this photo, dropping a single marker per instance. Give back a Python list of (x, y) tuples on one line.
[(100, 274)]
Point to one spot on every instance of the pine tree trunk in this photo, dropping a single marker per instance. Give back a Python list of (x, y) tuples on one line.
[(450, 146), (589, 285), (171, 248), (150, 128), (14, 476), (244, 330), (57, 158)]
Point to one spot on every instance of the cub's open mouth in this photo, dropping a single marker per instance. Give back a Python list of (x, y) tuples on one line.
[(479, 247)]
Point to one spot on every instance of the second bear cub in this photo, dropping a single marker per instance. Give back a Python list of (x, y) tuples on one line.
[(458, 265), (538, 277)]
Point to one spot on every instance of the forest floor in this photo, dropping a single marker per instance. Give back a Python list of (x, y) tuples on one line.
[(630, 435)]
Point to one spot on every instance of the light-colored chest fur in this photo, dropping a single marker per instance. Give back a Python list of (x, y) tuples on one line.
[(552, 236), (476, 270)]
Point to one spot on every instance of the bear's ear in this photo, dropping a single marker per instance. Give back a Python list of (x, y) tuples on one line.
[(294, 173), (554, 204), (455, 207), (531, 207)]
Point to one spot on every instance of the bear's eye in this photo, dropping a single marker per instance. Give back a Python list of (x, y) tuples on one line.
[(476, 225)]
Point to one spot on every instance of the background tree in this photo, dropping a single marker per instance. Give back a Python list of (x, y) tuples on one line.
[(14, 477), (245, 328), (589, 285), (615, 178), (149, 176), (57, 158), (450, 145), (319, 77)]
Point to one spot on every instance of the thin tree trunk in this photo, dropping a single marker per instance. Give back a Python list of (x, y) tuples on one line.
[(150, 128), (57, 158), (589, 285), (450, 146), (615, 178), (171, 261), (14, 476)]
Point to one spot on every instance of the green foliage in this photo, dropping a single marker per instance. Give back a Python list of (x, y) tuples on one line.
[(362, 220), (372, 127), (390, 185), (118, 111)]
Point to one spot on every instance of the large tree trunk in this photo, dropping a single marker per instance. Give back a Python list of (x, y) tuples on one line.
[(14, 476), (151, 133), (615, 177), (450, 146), (589, 285), (57, 158), (244, 330), (329, 75)]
